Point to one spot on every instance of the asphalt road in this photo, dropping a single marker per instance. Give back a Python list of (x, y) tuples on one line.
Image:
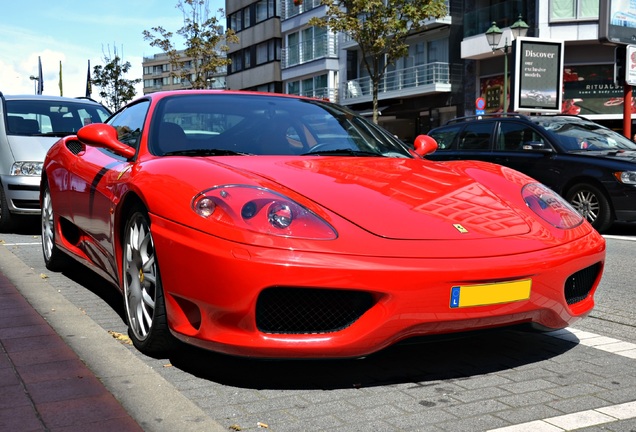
[(580, 379)]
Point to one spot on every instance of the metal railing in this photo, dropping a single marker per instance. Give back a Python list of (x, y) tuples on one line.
[(290, 10), (418, 77), (312, 49)]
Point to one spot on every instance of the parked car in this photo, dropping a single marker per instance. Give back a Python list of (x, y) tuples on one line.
[(29, 125), (269, 225), (593, 167)]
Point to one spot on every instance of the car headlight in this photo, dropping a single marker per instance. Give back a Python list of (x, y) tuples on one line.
[(550, 207), (27, 168), (261, 210), (626, 177)]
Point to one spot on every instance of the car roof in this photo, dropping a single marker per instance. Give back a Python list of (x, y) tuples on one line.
[(49, 98)]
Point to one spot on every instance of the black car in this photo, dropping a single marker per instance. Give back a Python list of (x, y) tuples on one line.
[(593, 167)]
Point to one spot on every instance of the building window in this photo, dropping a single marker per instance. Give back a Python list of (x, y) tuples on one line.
[(567, 10)]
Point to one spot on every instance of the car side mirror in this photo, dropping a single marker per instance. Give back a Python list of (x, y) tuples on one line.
[(425, 145), (104, 136), (536, 146)]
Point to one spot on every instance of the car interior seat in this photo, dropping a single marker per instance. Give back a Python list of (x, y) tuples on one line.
[(171, 138)]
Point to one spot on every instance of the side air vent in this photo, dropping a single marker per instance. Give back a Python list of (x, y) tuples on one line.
[(74, 146)]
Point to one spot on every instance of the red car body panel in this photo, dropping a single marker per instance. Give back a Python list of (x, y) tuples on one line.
[(397, 239)]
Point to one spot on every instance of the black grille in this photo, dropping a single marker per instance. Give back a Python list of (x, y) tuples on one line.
[(74, 146), (309, 310), (579, 285), (27, 204)]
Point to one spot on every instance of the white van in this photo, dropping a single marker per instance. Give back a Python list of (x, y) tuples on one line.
[(29, 126)]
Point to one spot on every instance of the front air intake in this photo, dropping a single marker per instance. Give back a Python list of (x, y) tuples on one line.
[(309, 310), (579, 285)]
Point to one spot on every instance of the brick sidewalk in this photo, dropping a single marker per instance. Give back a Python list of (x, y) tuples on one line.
[(44, 386)]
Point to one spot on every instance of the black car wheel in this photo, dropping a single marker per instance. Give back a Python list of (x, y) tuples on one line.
[(591, 202), (143, 293), (54, 258)]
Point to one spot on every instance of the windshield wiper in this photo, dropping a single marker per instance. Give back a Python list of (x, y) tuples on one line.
[(204, 152), (60, 134), (343, 152)]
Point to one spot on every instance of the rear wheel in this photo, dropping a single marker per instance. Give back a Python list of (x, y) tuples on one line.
[(143, 293), (54, 258), (591, 202)]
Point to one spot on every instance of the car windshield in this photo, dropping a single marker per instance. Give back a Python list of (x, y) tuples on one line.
[(33, 117), (257, 124), (577, 135)]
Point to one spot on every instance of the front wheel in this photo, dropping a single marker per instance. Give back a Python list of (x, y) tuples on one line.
[(591, 202), (143, 293), (54, 258)]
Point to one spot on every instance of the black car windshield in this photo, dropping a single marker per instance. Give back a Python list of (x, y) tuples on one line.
[(577, 135), (261, 124), (49, 117)]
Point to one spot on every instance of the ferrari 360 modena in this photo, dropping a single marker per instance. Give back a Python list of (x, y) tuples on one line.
[(277, 226)]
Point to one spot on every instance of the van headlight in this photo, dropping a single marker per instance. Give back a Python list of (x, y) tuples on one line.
[(27, 169)]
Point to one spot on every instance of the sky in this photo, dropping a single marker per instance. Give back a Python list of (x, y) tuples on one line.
[(74, 32)]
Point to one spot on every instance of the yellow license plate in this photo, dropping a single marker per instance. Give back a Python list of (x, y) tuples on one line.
[(488, 294)]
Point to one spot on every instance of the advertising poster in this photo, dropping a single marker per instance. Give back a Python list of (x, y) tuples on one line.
[(617, 21), (539, 66)]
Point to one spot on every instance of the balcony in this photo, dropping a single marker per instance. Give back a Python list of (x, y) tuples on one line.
[(326, 93), (289, 10), (417, 80), (325, 46)]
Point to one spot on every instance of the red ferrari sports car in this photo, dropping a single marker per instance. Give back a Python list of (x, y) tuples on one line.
[(277, 226)]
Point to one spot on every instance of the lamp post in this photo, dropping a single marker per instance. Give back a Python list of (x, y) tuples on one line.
[(35, 84), (493, 36)]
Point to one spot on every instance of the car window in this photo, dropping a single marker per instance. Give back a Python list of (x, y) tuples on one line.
[(51, 117), (445, 136), (130, 122), (577, 135), (476, 136), (226, 124), (513, 135)]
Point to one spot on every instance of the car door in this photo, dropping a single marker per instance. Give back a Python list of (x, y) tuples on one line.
[(470, 140), (523, 147), (96, 184)]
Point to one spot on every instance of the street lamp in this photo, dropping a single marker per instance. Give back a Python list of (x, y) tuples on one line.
[(493, 36), (35, 84)]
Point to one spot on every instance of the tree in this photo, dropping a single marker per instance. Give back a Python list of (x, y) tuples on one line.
[(205, 43), (116, 91), (380, 27)]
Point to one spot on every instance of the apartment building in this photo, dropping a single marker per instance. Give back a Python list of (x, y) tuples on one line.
[(157, 75), (256, 59), (450, 63)]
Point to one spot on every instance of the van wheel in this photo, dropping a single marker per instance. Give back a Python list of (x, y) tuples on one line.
[(591, 202), (7, 220)]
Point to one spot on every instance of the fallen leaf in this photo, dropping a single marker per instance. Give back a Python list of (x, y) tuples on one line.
[(235, 427), (120, 337), (262, 425), (43, 276)]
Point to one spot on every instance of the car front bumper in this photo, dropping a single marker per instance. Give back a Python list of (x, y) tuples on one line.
[(213, 288)]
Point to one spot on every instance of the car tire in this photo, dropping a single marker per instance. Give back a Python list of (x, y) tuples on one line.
[(143, 293), (54, 258), (7, 219), (592, 203)]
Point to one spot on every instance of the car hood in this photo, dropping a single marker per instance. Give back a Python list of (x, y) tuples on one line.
[(30, 148), (619, 155), (397, 198)]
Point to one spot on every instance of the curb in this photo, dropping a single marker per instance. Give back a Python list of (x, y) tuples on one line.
[(154, 403)]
